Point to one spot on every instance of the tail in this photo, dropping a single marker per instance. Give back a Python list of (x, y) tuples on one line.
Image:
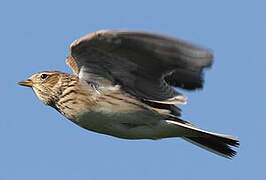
[(217, 143)]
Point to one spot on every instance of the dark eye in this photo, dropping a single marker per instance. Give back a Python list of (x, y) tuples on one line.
[(44, 76)]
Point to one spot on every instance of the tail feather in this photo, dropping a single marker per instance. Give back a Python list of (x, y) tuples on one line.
[(214, 142), (217, 145)]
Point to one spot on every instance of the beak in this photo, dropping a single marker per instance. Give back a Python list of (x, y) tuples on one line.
[(27, 83)]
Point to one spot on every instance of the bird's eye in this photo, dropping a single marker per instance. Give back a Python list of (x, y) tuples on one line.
[(44, 76)]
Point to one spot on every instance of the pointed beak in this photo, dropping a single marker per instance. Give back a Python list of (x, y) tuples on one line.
[(27, 83)]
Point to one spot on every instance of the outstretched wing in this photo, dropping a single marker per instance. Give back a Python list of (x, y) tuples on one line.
[(144, 64)]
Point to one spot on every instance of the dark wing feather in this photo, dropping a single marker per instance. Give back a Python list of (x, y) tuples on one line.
[(144, 64), (185, 79)]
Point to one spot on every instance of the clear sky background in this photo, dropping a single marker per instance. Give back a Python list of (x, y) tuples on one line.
[(36, 142)]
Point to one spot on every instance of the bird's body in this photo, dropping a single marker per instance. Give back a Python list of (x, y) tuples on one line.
[(121, 86), (108, 110)]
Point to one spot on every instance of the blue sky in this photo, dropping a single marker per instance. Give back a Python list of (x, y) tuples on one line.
[(39, 143)]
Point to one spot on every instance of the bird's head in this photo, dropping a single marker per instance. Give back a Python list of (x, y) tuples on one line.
[(46, 85)]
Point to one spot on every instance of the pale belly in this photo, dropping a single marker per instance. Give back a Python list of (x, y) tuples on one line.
[(139, 125)]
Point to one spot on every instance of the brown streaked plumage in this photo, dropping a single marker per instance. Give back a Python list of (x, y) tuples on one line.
[(121, 86)]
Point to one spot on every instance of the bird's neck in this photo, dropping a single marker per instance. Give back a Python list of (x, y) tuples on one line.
[(63, 88), (73, 97)]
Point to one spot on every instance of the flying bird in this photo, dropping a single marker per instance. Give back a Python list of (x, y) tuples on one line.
[(123, 85)]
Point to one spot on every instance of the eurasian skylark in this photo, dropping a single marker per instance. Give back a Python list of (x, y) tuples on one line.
[(121, 86)]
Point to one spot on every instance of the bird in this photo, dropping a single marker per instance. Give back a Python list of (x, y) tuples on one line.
[(124, 84)]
